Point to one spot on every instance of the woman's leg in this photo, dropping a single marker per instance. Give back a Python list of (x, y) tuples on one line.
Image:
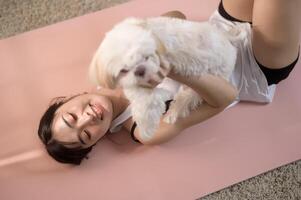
[(276, 28), (276, 32), (175, 14)]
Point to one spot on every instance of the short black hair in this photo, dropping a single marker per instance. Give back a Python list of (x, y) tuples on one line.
[(54, 148)]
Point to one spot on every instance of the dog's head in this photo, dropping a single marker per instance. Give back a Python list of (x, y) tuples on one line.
[(130, 55)]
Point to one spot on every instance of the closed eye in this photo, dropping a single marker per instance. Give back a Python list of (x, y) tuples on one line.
[(66, 122), (73, 116), (78, 135), (80, 139), (87, 133), (124, 71)]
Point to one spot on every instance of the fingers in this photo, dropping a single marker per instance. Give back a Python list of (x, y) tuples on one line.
[(153, 82), (161, 74)]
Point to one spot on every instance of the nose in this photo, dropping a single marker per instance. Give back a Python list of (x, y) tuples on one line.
[(140, 71), (85, 119)]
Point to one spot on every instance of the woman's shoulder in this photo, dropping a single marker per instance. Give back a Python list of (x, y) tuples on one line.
[(128, 124)]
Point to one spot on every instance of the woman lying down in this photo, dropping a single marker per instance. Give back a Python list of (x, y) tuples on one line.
[(72, 125)]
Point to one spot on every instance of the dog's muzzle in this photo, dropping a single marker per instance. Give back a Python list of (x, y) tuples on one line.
[(140, 71)]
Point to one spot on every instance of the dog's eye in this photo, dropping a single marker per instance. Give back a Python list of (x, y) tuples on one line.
[(124, 71), (146, 57)]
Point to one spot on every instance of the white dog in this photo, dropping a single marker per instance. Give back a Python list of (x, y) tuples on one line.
[(139, 52)]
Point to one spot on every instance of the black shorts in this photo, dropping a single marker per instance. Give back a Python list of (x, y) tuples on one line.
[(273, 76)]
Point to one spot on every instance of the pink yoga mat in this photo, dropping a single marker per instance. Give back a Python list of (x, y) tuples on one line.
[(238, 144)]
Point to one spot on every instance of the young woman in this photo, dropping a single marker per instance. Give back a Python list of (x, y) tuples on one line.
[(72, 125)]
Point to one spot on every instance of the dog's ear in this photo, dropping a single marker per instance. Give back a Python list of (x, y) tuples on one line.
[(164, 63), (161, 49), (99, 76), (161, 52), (110, 81)]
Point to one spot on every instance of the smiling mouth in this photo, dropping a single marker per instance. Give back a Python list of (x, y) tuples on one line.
[(97, 110)]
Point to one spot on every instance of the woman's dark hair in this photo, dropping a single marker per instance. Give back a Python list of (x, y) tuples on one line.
[(56, 150)]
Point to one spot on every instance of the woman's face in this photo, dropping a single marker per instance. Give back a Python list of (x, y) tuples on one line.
[(82, 120)]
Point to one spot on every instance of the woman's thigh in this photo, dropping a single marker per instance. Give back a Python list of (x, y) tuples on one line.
[(239, 9), (276, 31)]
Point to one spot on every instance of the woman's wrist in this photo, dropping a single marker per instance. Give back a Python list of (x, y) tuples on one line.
[(176, 77)]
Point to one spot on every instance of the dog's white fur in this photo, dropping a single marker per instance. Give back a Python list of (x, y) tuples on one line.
[(160, 44)]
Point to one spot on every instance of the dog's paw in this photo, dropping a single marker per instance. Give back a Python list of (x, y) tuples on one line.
[(170, 118), (184, 113)]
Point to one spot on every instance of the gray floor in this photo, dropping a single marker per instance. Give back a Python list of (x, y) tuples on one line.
[(17, 16)]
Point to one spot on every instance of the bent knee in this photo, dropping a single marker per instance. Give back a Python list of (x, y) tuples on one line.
[(276, 32), (175, 14)]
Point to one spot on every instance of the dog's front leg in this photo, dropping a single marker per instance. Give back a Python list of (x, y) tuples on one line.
[(147, 107), (184, 102)]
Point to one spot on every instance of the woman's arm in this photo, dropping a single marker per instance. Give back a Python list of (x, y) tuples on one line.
[(217, 94), (166, 131), (214, 90)]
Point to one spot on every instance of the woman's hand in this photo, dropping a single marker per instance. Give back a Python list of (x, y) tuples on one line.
[(174, 75)]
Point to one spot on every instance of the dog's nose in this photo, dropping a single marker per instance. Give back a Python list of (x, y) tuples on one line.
[(140, 71)]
